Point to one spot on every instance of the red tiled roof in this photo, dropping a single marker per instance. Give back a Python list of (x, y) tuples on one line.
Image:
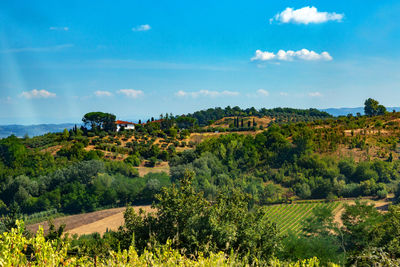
[(124, 122)]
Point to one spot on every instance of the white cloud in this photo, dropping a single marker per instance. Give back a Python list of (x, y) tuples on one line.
[(206, 93), (103, 93), (305, 15), (37, 94), (290, 55), (59, 29), (315, 94), (263, 56), (283, 94), (262, 92), (131, 93), (141, 28), (181, 93)]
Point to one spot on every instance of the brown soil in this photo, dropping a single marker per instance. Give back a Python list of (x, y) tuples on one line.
[(162, 167), (52, 150), (87, 223), (112, 222)]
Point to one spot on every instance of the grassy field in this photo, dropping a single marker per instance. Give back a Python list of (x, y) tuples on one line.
[(290, 216)]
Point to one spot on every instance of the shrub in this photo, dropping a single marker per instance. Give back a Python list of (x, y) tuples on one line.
[(382, 194), (134, 160)]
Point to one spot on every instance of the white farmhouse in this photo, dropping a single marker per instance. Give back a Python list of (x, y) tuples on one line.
[(124, 125)]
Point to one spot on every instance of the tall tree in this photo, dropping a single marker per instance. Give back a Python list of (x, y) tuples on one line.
[(372, 108), (100, 121)]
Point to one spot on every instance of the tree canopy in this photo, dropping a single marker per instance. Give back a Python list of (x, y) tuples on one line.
[(372, 108), (100, 121)]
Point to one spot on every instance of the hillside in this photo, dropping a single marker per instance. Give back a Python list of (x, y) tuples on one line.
[(361, 138), (282, 173)]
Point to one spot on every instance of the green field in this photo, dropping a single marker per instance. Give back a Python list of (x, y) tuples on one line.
[(290, 216)]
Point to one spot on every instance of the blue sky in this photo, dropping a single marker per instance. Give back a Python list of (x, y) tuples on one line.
[(137, 59)]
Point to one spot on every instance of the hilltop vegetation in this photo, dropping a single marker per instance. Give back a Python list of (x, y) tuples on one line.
[(207, 117)]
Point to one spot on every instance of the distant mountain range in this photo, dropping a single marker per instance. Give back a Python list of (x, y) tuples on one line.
[(345, 111), (32, 130)]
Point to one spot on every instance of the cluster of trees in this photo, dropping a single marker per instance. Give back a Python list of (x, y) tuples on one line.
[(239, 123), (17, 159), (185, 221), (34, 178), (275, 165), (80, 187), (204, 117), (187, 218)]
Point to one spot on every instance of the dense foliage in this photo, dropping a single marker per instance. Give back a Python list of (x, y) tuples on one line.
[(197, 231), (204, 117), (213, 202), (372, 108), (82, 186), (193, 224), (280, 163), (100, 121), (18, 250)]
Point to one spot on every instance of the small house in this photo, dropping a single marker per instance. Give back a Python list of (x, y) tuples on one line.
[(124, 125)]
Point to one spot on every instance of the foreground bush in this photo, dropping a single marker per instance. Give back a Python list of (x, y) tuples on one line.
[(19, 250)]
